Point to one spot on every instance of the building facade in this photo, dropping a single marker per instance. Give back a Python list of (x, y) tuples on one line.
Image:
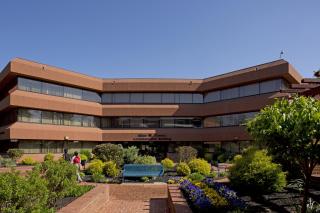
[(46, 109)]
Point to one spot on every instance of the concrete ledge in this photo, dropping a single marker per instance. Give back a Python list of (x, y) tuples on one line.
[(176, 201), (93, 201)]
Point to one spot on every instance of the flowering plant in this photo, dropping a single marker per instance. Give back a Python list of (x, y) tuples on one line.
[(228, 194)]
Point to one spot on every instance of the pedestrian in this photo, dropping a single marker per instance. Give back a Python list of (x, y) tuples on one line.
[(76, 160)]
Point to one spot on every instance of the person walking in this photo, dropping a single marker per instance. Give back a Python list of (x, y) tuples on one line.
[(76, 160)]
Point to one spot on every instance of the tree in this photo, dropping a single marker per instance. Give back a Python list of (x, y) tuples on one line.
[(186, 153), (291, 128)]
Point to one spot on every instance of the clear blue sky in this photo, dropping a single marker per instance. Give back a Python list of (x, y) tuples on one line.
[(160, 38)]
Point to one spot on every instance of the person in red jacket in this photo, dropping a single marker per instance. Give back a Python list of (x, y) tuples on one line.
[(76, 160)]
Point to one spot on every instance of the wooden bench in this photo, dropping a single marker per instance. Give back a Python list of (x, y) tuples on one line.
[(142, 170)]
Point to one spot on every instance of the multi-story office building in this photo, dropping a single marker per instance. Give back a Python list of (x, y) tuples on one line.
[(46, 109)]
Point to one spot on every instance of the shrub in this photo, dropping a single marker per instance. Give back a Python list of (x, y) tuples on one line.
[(49, 157), (237, 157), (28, 161), (15, 154), (183, 169), (109, 152), (83, 157), (130, 154), (79, 190), (256, 172), (23, 194), (60, 177), (145, 179), (96, 166), (146, 159), (170, 181), (186, 153), (167, 163), (85, 152), (7, 162), (225, 156), (197, 177), (111, 169), (98, 178), (212, 175), (200, 165)]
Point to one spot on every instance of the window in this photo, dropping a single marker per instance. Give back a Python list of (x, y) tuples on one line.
[(251, 89), (52, 89), (167, 122), (91, 96), (167, 98), (270, 86), (72, 93), (197, 98), (136, 123), (47, 117), (230, 93), (29, 85), (57, 118), (151, 122), (212, 121), (183, 123), (186, 98), (107, 98), (212, 96), (152, 97), (136, 98), (31, 116), (121, 98), (106, 123)]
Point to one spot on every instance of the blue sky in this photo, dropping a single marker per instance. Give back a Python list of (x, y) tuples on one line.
[(161, 38)]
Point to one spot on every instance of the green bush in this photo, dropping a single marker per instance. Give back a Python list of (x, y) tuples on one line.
[(200, 165), (196, 177), (146, 159), (109, 152), (28, 161), (86, 152), (79, 190), (15, 154), (255, 172), (225, 156), (208, 157), (130, 154), (98, 178), (96, 166), (7, 162), (167, 163), (145, 179), (83, 157), (60, 177), (111, 169), (186, 153), (23, 194), (183, 169), (49, 157), (212, 175)]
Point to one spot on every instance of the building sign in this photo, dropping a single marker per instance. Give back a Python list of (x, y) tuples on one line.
[(151, 137)]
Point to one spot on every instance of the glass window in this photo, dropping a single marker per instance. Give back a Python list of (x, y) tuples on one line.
[(185, 98), (183, 123), (167, 98), (270, 86), (121, 123), (167, 122), (230, 93), (72, 93), (152, 98), (47, 117), (176, 98), (107, 98), (212, 121), (212, 96), (136, 122), (106, 123), (136, 98), (197, 98), (30, 147), (57, 118), (151, 122), (88, 121), (251, 89), (91, 96), (121, 98), (28, 115), (52, 89), (196, 122), (29, 85), (71, 119)]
